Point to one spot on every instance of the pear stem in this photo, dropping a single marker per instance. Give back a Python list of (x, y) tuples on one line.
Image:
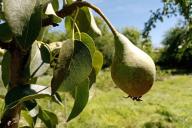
[(98, 11), (68, 9)]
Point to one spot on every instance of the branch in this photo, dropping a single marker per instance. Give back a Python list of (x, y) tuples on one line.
[(69, 9)]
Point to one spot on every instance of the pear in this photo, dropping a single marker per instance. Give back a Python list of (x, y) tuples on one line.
[(132, 70)]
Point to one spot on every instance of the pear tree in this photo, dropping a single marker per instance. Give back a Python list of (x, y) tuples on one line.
[(75, 62)]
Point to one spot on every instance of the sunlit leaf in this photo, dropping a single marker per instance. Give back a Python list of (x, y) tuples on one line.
[(28, 118), (68, 26), (55, 4), (24, 19), (5, 68), (97, 65), (97, 61), (81, 99)]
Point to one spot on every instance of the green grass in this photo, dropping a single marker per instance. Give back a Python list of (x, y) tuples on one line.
[(167, 105)]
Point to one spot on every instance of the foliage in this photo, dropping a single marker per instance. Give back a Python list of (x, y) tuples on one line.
[(178, 48), (53, 36), (170, 8)]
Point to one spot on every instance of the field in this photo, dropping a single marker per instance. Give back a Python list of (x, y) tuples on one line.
[(167, 105)]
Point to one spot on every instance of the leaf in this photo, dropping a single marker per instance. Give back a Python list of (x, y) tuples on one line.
[(24, 19), (87, 40), (5, 33), (86, 22), (39, 60), (45, 53), (97, 61), (80, 67), (24, 93), (55, 4), (68, 26), (28, 118), (34, 112), (62, 68), (97, 65), (51, 13), (5, 68), (48, 118), (30, 104), (69, 1), (81, 99)]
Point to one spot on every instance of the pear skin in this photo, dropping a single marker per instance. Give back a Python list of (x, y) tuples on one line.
[(132, 70)]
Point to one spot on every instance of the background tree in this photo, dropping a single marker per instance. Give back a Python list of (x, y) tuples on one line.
[(177, 42), (177, 48)]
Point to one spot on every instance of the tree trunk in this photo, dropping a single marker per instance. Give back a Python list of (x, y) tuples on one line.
[(18, 77)]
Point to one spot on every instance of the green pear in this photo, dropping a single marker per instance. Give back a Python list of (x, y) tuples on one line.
[(132, 70)]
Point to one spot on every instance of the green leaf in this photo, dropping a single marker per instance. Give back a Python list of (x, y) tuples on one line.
[(5, 68), (86, 22), (39, 60), (97, 65), (5, 33), (62, 68), (80, 67), (97, 61), (55, 4), (48, 118), (24, 93), (81, 99), (87, 40), (69, 1), (24, 19), (28, 118), (68, 26), (51, 13)]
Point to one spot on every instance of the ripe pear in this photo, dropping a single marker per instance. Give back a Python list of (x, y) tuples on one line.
[(132, 70)]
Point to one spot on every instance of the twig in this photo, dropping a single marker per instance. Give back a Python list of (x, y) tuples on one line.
[(69, 9)]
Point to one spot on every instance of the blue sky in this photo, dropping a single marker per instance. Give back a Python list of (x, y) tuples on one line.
[(134, 13)]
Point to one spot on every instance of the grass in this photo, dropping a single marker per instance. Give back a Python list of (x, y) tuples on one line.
[(167, 105)]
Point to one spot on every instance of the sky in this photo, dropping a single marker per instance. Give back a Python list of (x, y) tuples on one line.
[(134, 13)]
